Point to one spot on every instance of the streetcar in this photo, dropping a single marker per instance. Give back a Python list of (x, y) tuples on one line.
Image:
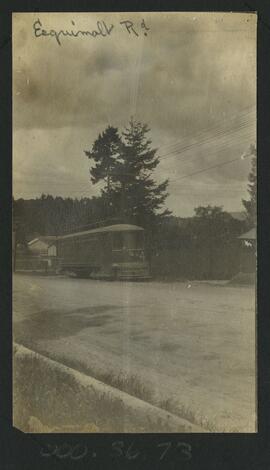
[(112, 252)]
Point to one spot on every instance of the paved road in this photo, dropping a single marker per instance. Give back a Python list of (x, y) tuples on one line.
[(193, 345)]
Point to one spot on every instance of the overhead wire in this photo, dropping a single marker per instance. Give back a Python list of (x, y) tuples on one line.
[(218, 149), (218, 124), (209, 168), (206, 140)]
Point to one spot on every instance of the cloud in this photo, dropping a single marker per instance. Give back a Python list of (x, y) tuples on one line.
[(183, 64), (191, 71)]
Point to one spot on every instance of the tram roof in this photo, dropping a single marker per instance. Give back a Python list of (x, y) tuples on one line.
[(109, 228)]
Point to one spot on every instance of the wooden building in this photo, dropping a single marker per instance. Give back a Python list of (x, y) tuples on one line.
[(38, 256)]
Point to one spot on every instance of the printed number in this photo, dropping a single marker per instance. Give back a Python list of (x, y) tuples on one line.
[(48, 450), (132, 454), (185, 449), (79, 452), (167, 446), (64, 451), (118, 448)]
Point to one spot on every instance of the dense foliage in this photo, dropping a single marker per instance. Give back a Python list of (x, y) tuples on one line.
[(50, 215), (251, 204)]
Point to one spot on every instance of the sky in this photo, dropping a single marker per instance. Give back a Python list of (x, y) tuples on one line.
[(190, 76)]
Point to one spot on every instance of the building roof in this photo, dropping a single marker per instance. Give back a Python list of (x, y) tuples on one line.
[(250, 235), (239, 215), (48, 239), (110, 228)]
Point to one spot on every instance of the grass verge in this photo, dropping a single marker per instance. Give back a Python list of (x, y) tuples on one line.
[(49, 398)]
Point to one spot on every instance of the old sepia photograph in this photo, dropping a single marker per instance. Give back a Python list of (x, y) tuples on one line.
[(134, 222)]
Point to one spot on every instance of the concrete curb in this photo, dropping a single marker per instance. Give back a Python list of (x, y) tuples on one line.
[(137, 411)]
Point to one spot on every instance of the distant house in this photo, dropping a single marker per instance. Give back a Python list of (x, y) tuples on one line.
[(250, 235), (248, 251), (40, 255), (40, 246)]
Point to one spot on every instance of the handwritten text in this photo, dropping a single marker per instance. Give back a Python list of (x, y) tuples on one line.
[(102, 29)]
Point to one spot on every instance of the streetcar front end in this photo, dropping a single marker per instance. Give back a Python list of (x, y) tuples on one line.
[(128, 256)]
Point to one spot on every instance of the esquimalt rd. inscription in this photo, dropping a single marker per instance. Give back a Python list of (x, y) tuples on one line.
[(101, 29)]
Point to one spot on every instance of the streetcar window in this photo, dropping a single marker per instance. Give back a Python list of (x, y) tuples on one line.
[(117, 241), (128, 240), (133, 240), (139, 239)]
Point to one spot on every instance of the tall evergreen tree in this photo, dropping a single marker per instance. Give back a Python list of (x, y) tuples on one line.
[(141, 197), (127, 165)]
